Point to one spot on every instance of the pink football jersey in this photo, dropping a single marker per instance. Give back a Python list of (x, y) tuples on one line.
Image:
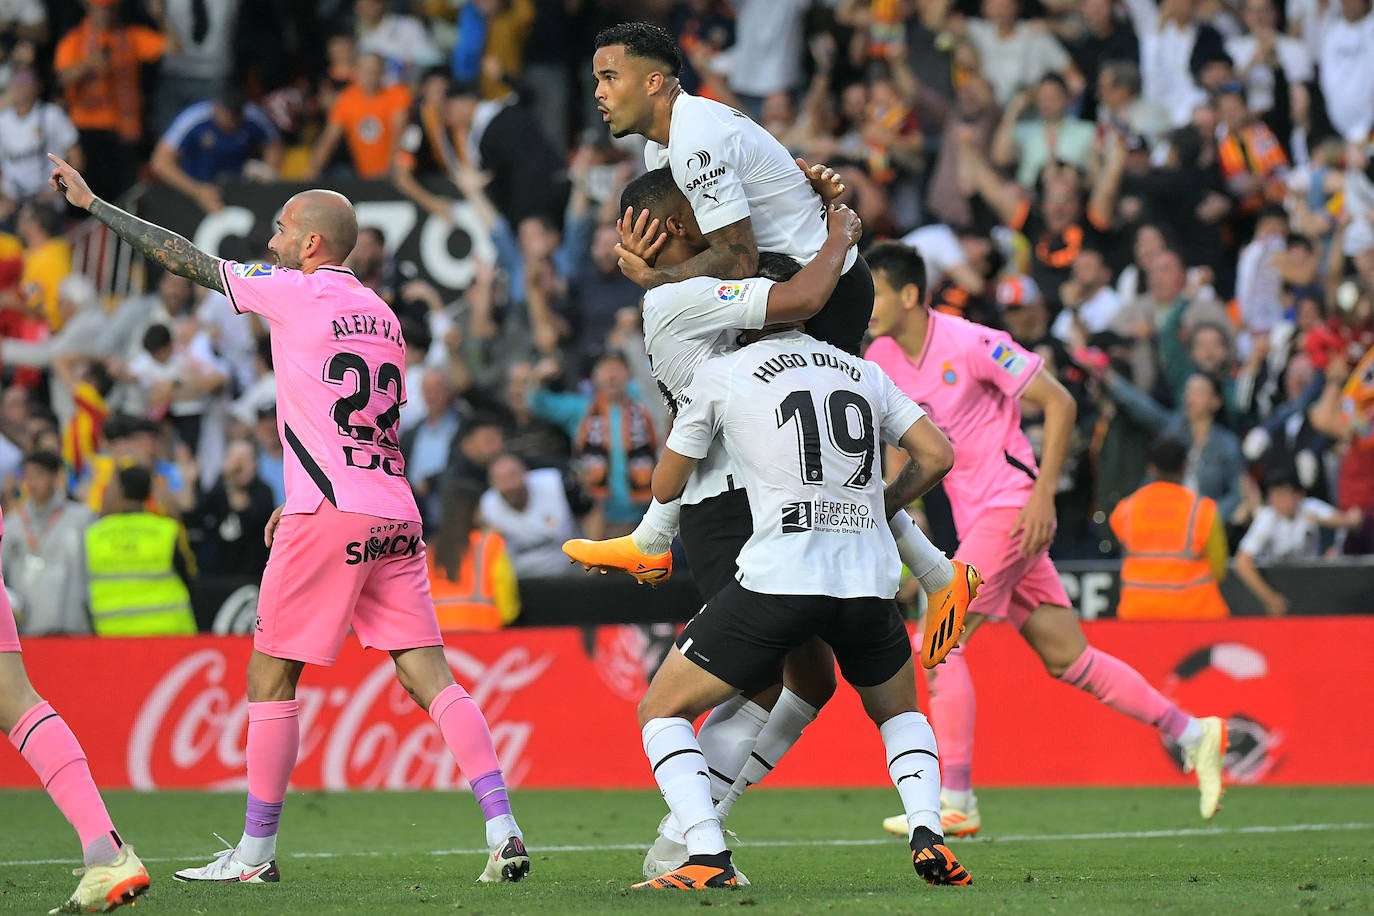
[(339, 359), (969, 378)]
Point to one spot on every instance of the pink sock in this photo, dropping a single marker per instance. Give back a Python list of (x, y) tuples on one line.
[(953, 707), (56, 756), (1122, 688), (274, 738), (469, 740)]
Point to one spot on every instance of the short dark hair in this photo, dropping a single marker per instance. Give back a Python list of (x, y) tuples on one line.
[(479, 421), (231, 98), (777, 267), (651, 191), (901, 264), (1124, 74), (1284, 475), (644, 40), (46, 459), (1056, 80), (136, 483), (47, 218), (463, 89), (1272, 211), (1168, 457), (156, 337)]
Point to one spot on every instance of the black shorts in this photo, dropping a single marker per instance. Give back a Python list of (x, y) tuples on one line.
[(843, 321), (741, 636), (713, 533)]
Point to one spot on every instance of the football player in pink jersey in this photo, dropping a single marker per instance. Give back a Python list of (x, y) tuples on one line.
[(971, 380), (346, 548)]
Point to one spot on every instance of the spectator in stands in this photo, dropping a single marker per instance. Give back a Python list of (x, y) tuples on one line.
[(1265, 52), (1287, 528), (41, 553), (47, 263), (1120, 105), (534, 440), (84, 325), (90, 383), (1098, 41), (1287, 438), (427, 445), (401, 41), (1214, 464), (232, 515), (596, 294), (97, 64), (549, 58), (212, 141), (970, 123), (1171, 40), (615, 444), (24, 20), (271, 455), (138, 565), (1174, 545), (470, 572), (768, 52), (200, 59), (1251, 158), (372, 265), (1089, 303), (1050, 136), (1346, 70), (369, 117), (530, 510), (500, 137), (480, 440), (30, 128), (1014, 53), (1259, 279), (178, 380), (1345, 412)]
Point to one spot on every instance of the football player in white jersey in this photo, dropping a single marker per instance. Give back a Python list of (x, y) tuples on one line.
[(684, 324), (819, 563)]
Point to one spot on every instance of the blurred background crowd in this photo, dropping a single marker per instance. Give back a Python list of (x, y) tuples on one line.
[(1173, 204)]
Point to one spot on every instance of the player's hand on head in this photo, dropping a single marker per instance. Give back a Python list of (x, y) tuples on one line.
[(640, 234), (846, 220), (67, 181)]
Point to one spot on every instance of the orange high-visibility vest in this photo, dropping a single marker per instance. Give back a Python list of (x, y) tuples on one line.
[(1163, 528), (484, 589)]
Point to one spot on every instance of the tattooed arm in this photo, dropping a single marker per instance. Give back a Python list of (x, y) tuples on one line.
[(931, 458), (733, 255), (167, 249)]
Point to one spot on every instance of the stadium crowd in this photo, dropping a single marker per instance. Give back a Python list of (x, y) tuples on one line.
[(1172, 204)]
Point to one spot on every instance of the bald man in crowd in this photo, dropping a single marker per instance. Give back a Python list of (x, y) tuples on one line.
[(346, 547)]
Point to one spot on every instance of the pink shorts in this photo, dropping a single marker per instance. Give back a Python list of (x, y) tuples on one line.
[(9, 630), (1013, 585), (330, 570)]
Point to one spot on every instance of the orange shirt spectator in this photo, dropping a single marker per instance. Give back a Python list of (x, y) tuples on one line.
[(370, 117), (1251, 159), (98, 63)]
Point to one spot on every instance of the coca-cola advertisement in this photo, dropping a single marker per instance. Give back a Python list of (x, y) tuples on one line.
[(172, 713)]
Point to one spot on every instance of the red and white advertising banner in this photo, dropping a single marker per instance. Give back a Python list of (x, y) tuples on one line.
[(172, 713)]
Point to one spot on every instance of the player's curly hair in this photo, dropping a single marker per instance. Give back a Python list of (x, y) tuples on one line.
[(650, 191), (777, 267), (901, 264), (644, 40)]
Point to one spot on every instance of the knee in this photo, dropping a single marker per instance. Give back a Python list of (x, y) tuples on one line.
[(13, 705), (271, 679)]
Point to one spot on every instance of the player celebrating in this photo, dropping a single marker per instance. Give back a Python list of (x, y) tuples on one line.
[(819, 563), (113, 875), (971, 380), (347, 550)]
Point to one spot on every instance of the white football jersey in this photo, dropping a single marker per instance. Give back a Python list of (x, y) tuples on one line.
[(802, 422), (684, 325), (729, 168)]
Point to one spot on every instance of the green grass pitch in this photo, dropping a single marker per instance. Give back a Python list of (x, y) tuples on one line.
[(1054, 850)]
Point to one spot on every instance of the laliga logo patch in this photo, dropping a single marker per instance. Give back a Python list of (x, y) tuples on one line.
[(1011, 361), (729, 292), (249, 271)]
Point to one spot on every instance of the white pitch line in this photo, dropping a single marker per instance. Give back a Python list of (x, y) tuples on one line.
[(743, 844)]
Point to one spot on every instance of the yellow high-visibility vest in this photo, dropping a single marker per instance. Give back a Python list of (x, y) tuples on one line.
[(134, 589)]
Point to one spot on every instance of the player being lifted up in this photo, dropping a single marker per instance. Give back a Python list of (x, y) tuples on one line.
[(972, 381), (802, 423), (339, 357)]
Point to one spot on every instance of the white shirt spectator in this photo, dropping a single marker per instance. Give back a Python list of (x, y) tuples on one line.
[(204, 50), (768, 51), (535, 535), (939, 247), (23, 12), (1293, 56), (25, 141), (1347, 76), (1166, 49), (1272, 537), (1313, 18), (1096, 312), (400, 41), (1014, 63), (1259, 288)]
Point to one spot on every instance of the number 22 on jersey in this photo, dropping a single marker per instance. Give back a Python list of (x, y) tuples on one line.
[(380, 432)]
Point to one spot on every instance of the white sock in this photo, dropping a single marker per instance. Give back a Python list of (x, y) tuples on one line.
[(784, 727), (727, 736), (656, 530), (1192, 734), (914, 766), (680, 769), (255, 850), (501, 828), (926, 561)]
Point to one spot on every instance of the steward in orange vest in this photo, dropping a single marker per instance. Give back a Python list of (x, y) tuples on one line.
[(1174, 546), (481, 594)]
